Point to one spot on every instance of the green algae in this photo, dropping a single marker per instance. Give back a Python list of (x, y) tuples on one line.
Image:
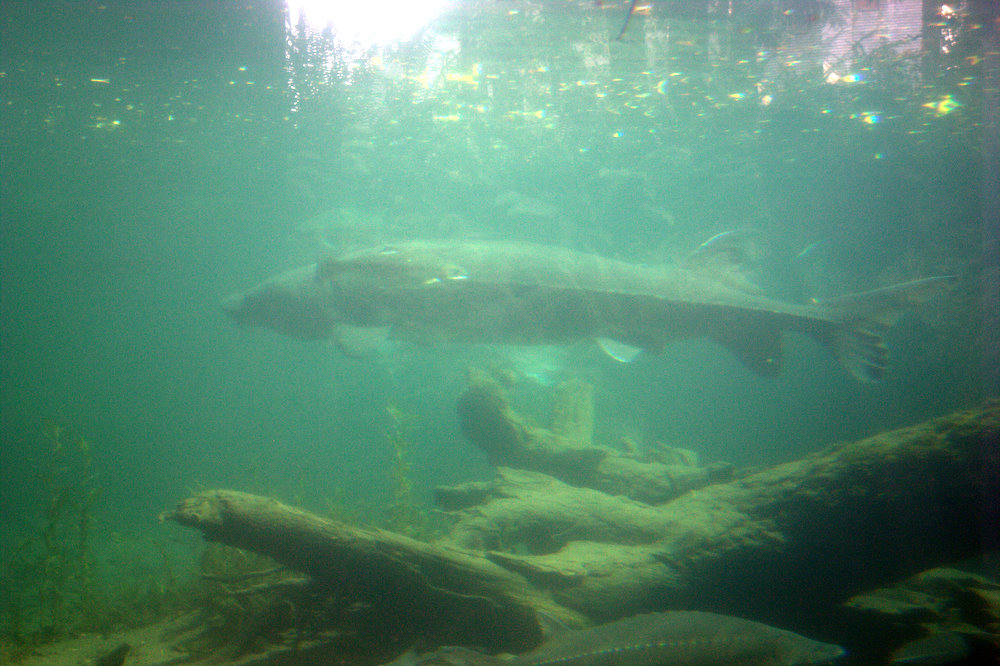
[(63, 572), (405, 515)]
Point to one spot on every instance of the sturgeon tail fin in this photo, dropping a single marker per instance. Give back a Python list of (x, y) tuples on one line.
[(864, 316)]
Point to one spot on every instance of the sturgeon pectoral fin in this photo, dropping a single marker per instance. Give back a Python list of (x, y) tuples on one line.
[(619, 351), (358, 341)]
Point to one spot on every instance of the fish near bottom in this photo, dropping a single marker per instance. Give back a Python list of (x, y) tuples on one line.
[(655, 639)]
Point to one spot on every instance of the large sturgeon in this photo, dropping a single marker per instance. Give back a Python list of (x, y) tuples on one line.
[(656, 639), (522, 294)]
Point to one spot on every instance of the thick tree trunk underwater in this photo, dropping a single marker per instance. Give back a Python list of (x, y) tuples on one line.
[(807, 533), (445, 593), (797, 536)]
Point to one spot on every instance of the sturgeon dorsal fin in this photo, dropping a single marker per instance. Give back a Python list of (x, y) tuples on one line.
[(728, 257)]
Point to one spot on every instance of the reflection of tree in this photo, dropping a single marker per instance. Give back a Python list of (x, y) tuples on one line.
[(695, 110)]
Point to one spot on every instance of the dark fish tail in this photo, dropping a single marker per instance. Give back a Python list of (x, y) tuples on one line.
[(863, 317)]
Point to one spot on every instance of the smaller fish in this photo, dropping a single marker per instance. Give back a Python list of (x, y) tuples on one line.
[(671, 638), (943, 647)]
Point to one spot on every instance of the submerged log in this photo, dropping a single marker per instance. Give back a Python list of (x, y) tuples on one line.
[(565, 449), (417, 589), (532, 512), (803, 534), (797, 537)]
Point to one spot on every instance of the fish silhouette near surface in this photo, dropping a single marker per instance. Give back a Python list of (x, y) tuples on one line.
[(655, 639), (515, 293)]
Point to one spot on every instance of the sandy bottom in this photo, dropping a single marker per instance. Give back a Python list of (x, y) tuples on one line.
[(156, 645), (148, 646)]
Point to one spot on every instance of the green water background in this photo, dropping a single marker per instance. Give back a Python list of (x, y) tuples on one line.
[(159, 156)]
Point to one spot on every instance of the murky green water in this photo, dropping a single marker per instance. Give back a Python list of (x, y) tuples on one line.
[(157, 157)]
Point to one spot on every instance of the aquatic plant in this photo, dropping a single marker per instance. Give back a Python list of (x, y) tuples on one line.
[(404, 515), (249, 603), (337, 507), (54, 586), (49, 574)]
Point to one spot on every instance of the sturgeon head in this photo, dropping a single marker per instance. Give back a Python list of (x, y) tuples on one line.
[(291, 303)]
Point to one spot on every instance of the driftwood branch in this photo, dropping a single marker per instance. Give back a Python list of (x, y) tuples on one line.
[(415, 587), (799, 536), (806, 533), (565, 450)]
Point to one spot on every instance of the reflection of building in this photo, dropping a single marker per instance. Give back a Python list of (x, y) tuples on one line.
[(861, 26), (839, 38), (836, 39), (809, 39)]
